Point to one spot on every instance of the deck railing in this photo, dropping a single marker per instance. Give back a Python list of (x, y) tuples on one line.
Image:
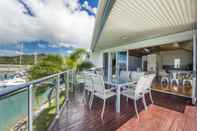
[(21, 106)]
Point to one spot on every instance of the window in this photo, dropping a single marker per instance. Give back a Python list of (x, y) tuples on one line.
[(177, 63)]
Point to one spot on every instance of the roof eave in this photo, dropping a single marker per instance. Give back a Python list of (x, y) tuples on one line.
[(104, 9)]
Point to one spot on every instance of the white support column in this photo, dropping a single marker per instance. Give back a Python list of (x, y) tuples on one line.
[(30, 108), (57, 96), (194, 93), (109, 66), (117, 65)]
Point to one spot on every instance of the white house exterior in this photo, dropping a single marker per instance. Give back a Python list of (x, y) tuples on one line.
[(122, 25)]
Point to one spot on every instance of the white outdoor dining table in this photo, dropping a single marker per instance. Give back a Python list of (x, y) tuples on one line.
[(118, 85)]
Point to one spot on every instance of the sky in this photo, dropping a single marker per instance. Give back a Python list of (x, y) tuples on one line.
[(46, 26)]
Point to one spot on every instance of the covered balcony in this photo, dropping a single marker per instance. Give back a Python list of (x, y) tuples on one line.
[(68, 110)]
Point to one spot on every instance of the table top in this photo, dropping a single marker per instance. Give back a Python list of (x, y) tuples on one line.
[(119, 82)]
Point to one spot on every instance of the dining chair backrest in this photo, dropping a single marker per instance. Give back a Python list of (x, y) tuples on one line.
[(87, 76), (163, 73), (174, 75), (135, 76), (140, 87), (98, 83), (148, 81), (125, 75)]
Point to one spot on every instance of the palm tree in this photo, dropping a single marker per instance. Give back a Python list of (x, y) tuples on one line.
[(77, 60)]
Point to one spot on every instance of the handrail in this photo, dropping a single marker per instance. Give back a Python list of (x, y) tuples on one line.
[(11, 89), (29, 87)]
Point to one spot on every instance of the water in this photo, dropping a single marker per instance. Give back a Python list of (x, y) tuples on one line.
[(12, 109), (15, 107)]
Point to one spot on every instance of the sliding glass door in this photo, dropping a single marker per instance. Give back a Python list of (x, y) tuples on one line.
[(105, 64), (122, 62), (114, 63)]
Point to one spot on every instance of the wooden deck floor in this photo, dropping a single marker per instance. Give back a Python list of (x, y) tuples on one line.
[(178, 90), (169, 113)]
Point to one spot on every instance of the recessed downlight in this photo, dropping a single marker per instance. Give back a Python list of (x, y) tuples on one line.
[(124, 37)]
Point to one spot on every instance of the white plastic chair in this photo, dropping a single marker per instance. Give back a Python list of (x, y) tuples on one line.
[(88, 84), (135, 76), (188, 79), (147, 85), (100, 92), (136, 93), (125, 75), (164, 77), (174, 78)]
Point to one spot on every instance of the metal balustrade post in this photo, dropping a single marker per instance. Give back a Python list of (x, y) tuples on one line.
[(67, 86), (30, 109), (57, 96)]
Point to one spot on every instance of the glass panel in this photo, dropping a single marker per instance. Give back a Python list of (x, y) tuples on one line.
[(13, 111), (65, 86), (177, 63), (44, 104), (122, 62), (113, 65)]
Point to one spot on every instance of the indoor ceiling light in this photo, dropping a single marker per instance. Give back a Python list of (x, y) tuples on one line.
[(124, 37), (146, 50), (176, 45)]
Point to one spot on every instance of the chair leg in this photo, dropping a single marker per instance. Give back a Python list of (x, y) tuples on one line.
[(151, 98), (127, 98), (91, 101), (177, 82), (84, 96), (144, 102), (135, 105), (171, 82), (103, 110)]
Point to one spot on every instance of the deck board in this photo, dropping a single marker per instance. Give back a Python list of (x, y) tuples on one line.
[(169, 113)]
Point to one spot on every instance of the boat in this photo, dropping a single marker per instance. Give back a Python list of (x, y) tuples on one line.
[(12, 80)]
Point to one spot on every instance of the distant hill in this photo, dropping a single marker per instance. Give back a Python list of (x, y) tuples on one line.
[(26, 59)]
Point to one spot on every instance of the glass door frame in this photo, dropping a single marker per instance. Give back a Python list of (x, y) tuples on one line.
[(125, 61), (109, 77), (194, 88)]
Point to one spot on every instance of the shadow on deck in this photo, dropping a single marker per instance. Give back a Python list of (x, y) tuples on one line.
[(78, 117)]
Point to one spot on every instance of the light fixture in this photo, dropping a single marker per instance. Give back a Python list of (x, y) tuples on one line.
[(146, 50), (124, 37), (176, 45)]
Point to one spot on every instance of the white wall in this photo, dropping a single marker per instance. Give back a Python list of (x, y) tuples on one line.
[(97, 59), (169, 56)]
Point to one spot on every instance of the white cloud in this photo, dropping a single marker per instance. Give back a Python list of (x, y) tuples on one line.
[(5, 52), (88, 7), (56, 21), (62, 44)]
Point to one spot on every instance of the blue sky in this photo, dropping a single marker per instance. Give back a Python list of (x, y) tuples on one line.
[(46, 26)]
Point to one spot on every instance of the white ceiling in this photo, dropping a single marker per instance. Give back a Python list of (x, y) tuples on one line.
[(135, 20)]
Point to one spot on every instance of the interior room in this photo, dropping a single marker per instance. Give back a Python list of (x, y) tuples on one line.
[(173, 64)]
